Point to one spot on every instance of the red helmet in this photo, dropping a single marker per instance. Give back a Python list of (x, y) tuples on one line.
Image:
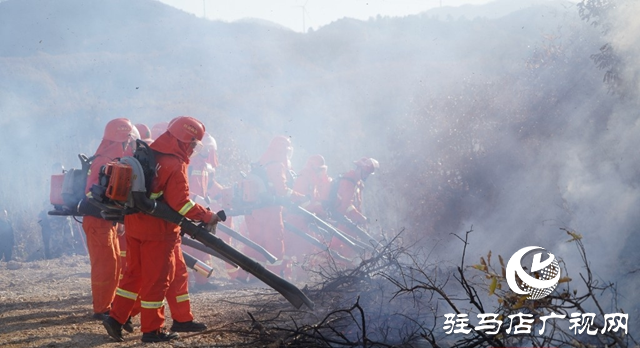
[(118, 130), (158, 129), (186, 129), (368, 165), (145, 132)]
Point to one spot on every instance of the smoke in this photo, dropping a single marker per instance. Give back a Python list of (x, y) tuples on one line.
[(564, 157), (502, 124)]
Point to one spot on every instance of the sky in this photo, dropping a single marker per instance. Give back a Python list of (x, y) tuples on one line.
[(301, 15)]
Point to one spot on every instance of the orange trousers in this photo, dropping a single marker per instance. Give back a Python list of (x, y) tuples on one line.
[(155, 270), (104, 255), (266, 228), (178, 293)]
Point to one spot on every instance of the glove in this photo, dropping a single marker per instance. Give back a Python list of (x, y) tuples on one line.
[(213, 224)]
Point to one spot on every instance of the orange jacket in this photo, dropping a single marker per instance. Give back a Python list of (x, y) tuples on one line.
[(171, 184)]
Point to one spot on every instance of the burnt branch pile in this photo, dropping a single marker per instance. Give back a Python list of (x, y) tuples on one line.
[(356, 306), (395, 297)]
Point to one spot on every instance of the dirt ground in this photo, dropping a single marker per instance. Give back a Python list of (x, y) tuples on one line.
[(47, 303)]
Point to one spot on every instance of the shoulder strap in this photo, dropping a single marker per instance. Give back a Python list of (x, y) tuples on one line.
[(147, 158)]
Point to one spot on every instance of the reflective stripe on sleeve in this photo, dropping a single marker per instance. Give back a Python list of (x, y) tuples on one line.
[(185, 209), (123, 253), (155, 195)]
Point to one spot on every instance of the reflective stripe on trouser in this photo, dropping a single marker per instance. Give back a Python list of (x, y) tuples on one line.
[(104, 255), (150, 269), (178, 293)]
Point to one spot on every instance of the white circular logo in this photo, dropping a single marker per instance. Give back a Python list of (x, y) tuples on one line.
[(542, 279)]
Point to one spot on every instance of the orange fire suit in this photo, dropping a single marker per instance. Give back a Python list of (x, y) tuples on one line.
[(177, 294), (265, 225), (102, 236), (152, 260)]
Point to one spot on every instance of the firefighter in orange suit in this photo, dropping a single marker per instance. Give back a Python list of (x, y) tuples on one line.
[(182, 309), (265, 225), (308, 183), (350, 187), (152, 260), (346, 201), (102, 236)]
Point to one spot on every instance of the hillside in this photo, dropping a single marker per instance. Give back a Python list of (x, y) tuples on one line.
[(517, 123), (412, 91)]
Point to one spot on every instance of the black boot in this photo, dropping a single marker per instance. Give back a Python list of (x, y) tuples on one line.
[(188, 326), (128, 326), (114, 329), (159, 336)]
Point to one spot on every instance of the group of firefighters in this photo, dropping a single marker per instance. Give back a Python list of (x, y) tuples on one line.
[(138, 264)]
